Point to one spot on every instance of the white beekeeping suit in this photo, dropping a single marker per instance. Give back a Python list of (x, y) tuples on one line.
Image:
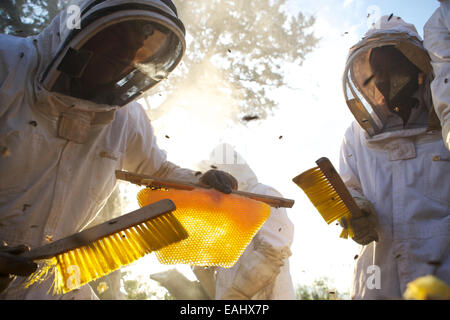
[(262, 272), (390, 158), (437, 42), (67, 120)]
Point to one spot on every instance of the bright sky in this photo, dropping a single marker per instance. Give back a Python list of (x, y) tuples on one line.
[(312, 118)]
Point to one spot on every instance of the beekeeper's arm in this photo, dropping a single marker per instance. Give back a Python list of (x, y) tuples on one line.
[(11, 264), (144, 156), (10, 83), (6, 60), (3, 64), (269, 253), (364, 227), (436, 41)]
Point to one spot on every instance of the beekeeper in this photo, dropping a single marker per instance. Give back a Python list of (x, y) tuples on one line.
[(436, 41), (395, 163), (262, 272), (68, 121)]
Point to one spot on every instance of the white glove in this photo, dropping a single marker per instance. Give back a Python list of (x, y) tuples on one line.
[(365, 227)]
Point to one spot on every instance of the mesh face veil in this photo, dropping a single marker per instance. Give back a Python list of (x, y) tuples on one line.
[(122, 49), (381, 78)]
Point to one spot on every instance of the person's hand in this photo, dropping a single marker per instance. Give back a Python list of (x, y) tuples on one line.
[(12, 264), (219, 180), (365, 226)]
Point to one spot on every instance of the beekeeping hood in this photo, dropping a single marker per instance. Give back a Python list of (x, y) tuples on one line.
[(115, 51), (224, 157), (362, 95)]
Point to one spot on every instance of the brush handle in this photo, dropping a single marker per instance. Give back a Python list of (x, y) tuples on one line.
[(150, 181), (107, 228), (334, 178)]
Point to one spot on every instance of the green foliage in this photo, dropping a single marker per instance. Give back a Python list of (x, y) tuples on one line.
[(134, 290), (319, 290), (168, 296), (139, 288)]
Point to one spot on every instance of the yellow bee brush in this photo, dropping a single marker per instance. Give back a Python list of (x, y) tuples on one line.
[(328, 193), (98, 251)]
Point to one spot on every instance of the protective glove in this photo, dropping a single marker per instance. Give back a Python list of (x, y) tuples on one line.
[(364, 226), (219, 180), (12, 265)]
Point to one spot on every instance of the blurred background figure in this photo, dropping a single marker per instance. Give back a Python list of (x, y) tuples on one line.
[(263, 270)]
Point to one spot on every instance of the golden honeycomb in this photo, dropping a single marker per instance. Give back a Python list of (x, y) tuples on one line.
[(220, 226)]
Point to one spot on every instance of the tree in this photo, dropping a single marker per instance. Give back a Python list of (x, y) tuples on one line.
[(139, 288), (236, 50), (319, 290), (28, 17), (134, 290)]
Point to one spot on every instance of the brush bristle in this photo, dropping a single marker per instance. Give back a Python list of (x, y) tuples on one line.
[(322, 194), (79, 266)]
